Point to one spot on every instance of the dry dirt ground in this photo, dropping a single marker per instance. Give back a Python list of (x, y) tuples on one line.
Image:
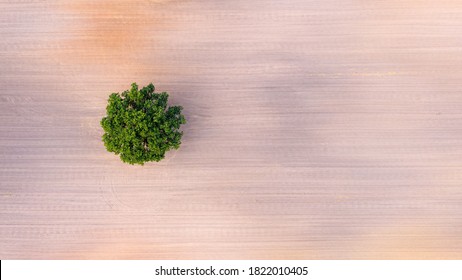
[(317, 129)]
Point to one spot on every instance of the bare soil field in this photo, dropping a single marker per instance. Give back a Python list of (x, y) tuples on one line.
[(317, 129)]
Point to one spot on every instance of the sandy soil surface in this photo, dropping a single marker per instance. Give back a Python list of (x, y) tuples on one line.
[(317, 129)]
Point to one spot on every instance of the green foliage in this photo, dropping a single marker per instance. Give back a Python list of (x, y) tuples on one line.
[(140, 127)]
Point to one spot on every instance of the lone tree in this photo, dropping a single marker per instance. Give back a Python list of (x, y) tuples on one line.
[(140, 127)]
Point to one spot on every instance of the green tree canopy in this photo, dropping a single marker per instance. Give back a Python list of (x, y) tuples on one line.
[(140, 127)]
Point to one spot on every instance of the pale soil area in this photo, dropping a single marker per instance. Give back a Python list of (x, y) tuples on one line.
[(316, 129)]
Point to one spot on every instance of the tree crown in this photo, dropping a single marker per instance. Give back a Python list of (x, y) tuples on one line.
[(139, 125)]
